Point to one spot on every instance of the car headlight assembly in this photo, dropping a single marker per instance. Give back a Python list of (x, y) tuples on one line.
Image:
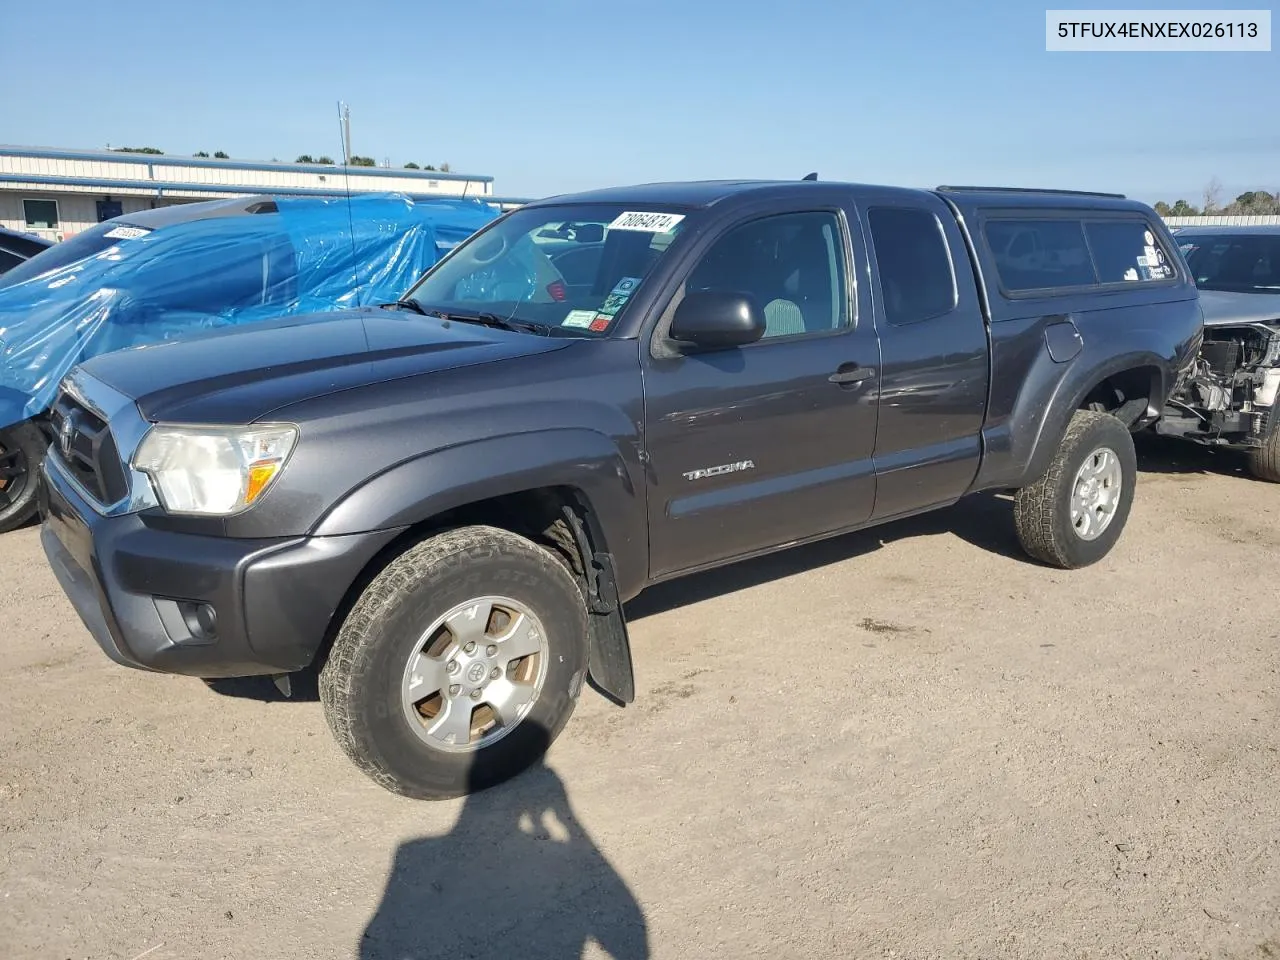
[(213, 471)]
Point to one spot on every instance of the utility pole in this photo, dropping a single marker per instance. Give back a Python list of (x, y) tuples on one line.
[(344, 113)]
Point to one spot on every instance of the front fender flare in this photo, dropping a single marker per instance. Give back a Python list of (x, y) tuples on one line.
[(426, 486)]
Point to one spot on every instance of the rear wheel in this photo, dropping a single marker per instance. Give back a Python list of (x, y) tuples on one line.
[(459, 664), (1073, 515), (22, 450)]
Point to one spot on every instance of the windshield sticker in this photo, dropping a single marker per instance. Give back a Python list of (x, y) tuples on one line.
[(613, 303), (1146, 235), (126, 233), (578, 318), (646, 222), (627, 286)]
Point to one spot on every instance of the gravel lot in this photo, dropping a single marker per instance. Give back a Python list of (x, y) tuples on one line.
[(905, 743)]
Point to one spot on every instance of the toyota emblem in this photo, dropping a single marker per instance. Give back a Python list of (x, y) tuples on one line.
[(64, 436)]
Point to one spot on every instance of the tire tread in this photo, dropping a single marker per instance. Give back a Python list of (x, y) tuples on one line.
[(1036, 505), (343, 672)]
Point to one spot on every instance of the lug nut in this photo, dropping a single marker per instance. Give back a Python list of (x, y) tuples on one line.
[(475, 694), (455, 689), (491, 649), (470, 647), (452, 666), (495, 673)]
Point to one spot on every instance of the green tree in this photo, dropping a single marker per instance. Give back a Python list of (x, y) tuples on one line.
[(326, 161), (200, 153), (150, 150), (1162, 208), (428, 167), (221, 155), (305, 158), (1184, 209), (1254, 202), (358, 161), (411, 166)]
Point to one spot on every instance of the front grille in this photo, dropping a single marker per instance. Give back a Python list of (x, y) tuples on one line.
[(84, 442)]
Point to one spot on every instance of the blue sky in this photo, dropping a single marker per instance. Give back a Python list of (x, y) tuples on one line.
[(560, 95)]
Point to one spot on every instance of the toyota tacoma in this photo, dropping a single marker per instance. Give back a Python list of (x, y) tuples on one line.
[(442, 504)]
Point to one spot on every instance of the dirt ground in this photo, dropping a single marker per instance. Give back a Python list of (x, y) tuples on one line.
[(906, 743)]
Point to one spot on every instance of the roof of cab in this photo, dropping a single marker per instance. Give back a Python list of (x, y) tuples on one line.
[(704, 193), (695, 193)]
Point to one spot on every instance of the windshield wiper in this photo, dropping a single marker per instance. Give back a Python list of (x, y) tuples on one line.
[(413, 305), (491, 320)]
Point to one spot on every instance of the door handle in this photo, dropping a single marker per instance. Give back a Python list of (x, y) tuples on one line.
[(850, 373)]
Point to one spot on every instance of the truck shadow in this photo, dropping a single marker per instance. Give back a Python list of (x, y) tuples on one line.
[(1170, 455), (984, 520), (517, 876), (305, 688)]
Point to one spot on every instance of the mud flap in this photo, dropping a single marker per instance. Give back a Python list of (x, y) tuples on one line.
[(609, 669), (609, 657)]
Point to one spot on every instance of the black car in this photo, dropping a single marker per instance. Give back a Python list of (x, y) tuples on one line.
[(16, 248), (443, 505)]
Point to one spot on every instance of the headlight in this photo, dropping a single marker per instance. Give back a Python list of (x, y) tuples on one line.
[(214, 471)]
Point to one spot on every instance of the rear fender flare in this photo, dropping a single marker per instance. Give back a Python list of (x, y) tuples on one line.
[(1074, 387), (1019, 449)]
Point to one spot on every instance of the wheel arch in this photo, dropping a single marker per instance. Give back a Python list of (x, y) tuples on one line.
[(566, 492)]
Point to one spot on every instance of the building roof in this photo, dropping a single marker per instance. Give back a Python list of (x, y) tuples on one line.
[(177, 160)]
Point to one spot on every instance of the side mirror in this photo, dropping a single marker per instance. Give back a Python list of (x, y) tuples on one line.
[(717, 318)]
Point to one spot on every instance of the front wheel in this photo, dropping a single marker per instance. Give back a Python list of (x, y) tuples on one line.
[(459, 664), (1075, 512), (1264, 461)]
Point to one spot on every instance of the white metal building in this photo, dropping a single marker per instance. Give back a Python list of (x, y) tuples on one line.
[(56, 193)]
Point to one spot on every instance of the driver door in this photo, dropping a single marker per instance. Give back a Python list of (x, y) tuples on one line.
[(754, 447)]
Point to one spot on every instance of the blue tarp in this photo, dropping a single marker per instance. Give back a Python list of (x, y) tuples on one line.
[(138, 286)]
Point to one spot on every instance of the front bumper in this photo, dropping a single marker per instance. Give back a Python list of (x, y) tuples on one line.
[(197, 605)]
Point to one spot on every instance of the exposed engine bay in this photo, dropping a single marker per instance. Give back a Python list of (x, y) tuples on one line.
[(1230, 396)]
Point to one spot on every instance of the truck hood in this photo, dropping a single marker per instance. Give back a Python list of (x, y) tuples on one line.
[(242, 374), (1228, 308)]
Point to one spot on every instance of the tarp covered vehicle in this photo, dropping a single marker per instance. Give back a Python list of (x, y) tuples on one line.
[(161, 274)]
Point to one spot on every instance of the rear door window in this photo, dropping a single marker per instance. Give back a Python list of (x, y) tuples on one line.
[(1127, 250), (916, 278), (1039, 254)]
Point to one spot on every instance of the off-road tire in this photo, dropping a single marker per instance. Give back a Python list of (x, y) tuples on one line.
[(1264, 461), (19, 501), (1042, 510), (361, 679)]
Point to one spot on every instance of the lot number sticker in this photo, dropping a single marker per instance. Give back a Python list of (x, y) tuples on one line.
[(578, 318), (646, 222), (126, 233)]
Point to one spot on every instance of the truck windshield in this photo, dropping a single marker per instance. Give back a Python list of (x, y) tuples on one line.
[(1245, 263), (573, 268)]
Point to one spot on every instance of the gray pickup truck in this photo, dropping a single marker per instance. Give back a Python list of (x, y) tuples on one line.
[(441, 504)]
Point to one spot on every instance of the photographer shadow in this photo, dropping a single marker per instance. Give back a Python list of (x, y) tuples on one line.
[(517, 876)]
